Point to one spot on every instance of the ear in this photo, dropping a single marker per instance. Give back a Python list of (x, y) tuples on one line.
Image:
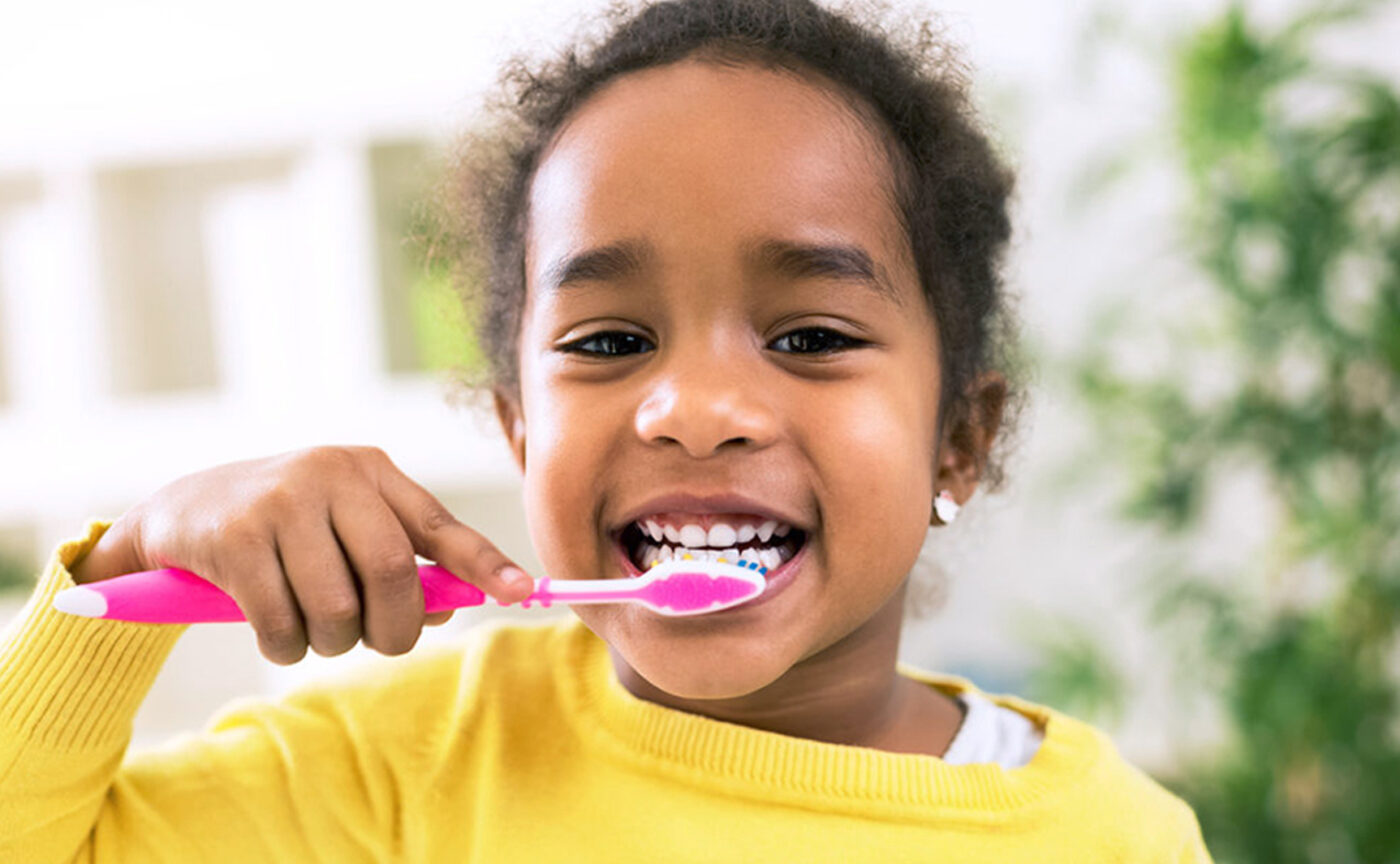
[(967, 441), (512, 419)]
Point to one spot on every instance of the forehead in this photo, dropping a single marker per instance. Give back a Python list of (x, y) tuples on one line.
[(698, 157)]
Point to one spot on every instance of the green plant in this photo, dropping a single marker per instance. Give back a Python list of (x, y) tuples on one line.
[(16, 574), (1283, 365), (443, 334)]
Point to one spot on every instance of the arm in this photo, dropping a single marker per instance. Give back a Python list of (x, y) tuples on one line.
[(262, 782), (1194, 850), (69, 689)]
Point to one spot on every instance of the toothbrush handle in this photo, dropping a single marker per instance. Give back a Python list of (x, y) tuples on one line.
[(174, 596), (443, 591)]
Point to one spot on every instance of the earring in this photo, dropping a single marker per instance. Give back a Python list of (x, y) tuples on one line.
[(946, 507)]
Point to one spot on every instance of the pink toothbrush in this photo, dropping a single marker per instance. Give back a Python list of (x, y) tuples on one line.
[(676, 587)]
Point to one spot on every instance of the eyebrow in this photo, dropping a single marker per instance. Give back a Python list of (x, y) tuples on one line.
[(609, 263), (841, 261), (627, 258)]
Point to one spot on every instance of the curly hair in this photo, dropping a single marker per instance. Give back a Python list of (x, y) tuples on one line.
[(951, 188)]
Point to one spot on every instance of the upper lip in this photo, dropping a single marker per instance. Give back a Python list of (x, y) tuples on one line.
[(689, 502)]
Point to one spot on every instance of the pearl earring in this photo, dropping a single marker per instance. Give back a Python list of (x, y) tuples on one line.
[(946, 507)]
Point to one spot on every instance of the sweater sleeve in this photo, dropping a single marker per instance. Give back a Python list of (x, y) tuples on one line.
[(69, 690), (1194, 850), (290, 781)]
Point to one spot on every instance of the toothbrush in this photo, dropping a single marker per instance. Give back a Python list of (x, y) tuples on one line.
[(682, 586)]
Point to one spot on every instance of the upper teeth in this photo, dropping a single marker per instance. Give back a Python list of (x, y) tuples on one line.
[(720, 536)]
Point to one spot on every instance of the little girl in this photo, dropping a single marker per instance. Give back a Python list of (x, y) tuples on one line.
[(743, 298)]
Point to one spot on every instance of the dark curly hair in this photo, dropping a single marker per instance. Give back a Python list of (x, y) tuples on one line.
[(951, 188)]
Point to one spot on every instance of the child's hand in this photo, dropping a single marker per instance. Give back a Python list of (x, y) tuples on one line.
[(316, 547)]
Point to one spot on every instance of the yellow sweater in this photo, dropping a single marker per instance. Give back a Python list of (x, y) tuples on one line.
[(515, 743)]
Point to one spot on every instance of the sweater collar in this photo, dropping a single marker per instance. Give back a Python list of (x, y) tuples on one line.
[(740, 760)]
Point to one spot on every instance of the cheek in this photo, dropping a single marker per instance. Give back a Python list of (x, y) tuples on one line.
[(556, 489), (568, 450), (880, 446)]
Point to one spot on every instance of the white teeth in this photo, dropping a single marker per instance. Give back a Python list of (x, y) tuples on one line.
[(693, 536), (721, 535), (667, 542), (652, 555)]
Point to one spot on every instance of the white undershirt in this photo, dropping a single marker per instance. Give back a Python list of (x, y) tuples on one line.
[(992, 733)]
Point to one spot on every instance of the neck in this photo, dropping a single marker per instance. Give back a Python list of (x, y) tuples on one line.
[(847, 693)]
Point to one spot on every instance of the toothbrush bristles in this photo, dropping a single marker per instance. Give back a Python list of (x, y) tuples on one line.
[(752, 565)]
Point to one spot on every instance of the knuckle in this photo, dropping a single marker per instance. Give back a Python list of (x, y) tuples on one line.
[(367, 453), (326, 646), (396, 645), (339, 609), (435, 517), (282, 635), (484, 554), (282, 656), (236, 537), (329, 458), (282, 497), (393, 565)]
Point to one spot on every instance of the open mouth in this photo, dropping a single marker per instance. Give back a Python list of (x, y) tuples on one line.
[(767, 548)]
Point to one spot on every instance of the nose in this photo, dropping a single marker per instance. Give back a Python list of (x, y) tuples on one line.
[(706, 403)]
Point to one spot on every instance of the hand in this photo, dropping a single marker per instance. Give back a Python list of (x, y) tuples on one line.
[(316, 546)]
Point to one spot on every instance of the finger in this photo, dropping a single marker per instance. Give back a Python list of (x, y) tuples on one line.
[(251, 573), (381, 554), (437, 534), (437, 618), (323, 583)]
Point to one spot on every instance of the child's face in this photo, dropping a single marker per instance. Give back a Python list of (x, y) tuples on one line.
[(708, 393)]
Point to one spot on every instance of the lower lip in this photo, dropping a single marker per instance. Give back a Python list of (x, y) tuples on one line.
[(777, 579)]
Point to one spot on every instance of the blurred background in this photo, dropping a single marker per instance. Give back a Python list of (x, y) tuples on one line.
[(204, 257)]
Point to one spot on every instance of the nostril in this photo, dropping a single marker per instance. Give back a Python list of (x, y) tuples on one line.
[(701, 418)]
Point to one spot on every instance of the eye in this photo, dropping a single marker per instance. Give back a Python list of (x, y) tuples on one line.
[(818, 340), (615, 339)]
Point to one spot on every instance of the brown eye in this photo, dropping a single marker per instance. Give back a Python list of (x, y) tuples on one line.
[(818, 340), (611, 343)]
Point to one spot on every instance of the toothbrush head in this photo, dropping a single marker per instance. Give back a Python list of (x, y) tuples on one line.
[(692, 587)]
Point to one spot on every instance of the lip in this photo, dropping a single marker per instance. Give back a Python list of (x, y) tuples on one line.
[(689, 502)]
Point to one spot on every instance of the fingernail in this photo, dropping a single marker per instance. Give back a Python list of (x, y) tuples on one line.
[(514, 577)]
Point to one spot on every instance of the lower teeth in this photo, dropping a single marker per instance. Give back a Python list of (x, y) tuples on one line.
[(770, 558)]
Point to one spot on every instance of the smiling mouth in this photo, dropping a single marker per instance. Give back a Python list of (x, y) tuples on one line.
[(644, 552)]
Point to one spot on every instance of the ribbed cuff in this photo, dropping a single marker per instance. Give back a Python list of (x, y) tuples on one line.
[(72, 683)]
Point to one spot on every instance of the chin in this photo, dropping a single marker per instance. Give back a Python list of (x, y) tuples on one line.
[(702, 687), (707, 676)]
